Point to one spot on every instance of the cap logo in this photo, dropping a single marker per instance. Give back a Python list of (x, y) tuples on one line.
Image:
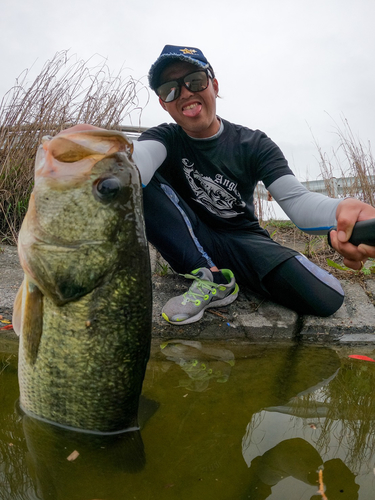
[(188, 51)]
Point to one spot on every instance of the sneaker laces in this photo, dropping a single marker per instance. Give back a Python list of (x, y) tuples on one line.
[(198, 289)]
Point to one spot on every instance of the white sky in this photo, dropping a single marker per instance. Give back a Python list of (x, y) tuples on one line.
[(291, 68)]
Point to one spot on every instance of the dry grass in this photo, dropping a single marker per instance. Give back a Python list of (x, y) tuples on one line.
[(351, 160), (66, 92), (348, 170), (264, 211), (354, 165)]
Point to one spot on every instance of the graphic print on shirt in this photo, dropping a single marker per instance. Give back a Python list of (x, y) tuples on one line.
[(220, 195)]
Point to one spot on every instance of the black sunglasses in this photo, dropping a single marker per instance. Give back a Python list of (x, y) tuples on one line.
[(195, 82)]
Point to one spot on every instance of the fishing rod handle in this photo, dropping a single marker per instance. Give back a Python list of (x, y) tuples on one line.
[(363, 232)]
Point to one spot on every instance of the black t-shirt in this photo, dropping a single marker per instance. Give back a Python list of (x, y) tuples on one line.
[(217, 176)]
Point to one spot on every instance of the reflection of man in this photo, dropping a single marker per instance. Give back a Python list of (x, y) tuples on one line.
[(299, 459), (339, 481)]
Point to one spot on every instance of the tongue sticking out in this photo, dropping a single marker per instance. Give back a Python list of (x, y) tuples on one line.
[(192, 110)]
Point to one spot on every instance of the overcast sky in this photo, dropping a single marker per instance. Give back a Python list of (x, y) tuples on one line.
[(292, 68)]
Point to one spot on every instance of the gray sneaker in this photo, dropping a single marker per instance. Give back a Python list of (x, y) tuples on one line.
[(202, 294)]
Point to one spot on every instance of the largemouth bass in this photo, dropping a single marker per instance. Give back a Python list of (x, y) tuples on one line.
[(83, 311)]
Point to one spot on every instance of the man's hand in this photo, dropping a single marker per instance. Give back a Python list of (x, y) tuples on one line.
[(349, 212)]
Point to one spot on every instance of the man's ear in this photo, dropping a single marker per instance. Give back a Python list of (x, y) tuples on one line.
[(215, 85), (162, 104)]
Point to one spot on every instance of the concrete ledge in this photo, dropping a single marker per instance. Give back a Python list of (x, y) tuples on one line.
[(355, 317), (250, 318)]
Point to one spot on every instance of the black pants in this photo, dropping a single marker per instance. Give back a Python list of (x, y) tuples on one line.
[(276, 272)]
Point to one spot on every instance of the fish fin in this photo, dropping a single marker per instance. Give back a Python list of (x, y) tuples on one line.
[(146, 409), (32, 319), (17, 310)]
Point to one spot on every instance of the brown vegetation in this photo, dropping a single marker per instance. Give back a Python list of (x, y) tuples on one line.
[(66, 92), (354, 162)]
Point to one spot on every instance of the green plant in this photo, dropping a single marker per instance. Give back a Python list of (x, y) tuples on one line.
[(314, 245), (335, 265), (164, 269), (370, 269), (280, 224), (365, 270)]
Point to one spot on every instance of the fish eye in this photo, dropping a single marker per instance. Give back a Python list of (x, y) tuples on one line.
[(107, 188)]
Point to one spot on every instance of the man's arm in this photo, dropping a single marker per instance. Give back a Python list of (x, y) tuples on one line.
[(148, 156), (315, 213), (311, 212)]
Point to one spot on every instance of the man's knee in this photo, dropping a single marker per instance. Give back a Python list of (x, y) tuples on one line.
[(301, 285)]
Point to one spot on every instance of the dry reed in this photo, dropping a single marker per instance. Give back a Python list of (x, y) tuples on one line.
[(354, 162), (66, 92)]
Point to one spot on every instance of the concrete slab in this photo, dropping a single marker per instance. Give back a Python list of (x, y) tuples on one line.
[(358, 338), (356, 316), (11, 276), (370, 285)]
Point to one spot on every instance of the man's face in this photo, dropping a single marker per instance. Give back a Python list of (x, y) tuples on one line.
[(195, 112)]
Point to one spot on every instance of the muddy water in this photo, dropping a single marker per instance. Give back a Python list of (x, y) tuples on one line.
[(219, 421)]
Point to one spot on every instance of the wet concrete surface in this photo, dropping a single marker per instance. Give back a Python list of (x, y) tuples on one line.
[(249, 318)]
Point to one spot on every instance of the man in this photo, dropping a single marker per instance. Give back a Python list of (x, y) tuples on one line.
[(199, 176)]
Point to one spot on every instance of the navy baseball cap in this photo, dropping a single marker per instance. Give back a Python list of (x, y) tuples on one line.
[(172, 53)]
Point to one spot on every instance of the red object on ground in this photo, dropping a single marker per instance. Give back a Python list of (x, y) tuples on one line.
[(7, 327), (363, 358)]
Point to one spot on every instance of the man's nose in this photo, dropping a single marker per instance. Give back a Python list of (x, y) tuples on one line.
[(185, 92)]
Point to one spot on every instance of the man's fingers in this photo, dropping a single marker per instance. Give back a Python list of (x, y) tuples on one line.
[(351, 252), (354, 264)]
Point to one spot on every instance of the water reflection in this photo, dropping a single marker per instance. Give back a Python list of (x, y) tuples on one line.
[(200, 363), (59, 464), (231, 421), (333, 420), (57, 474), (298, 459), (35, 458)]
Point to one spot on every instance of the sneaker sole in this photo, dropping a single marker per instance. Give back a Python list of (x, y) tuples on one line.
[(217, 303)]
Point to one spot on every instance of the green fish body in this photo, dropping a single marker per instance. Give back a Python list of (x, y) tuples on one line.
[(83, 311)]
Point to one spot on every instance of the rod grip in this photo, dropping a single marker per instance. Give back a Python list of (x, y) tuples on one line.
[(363, 232)]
